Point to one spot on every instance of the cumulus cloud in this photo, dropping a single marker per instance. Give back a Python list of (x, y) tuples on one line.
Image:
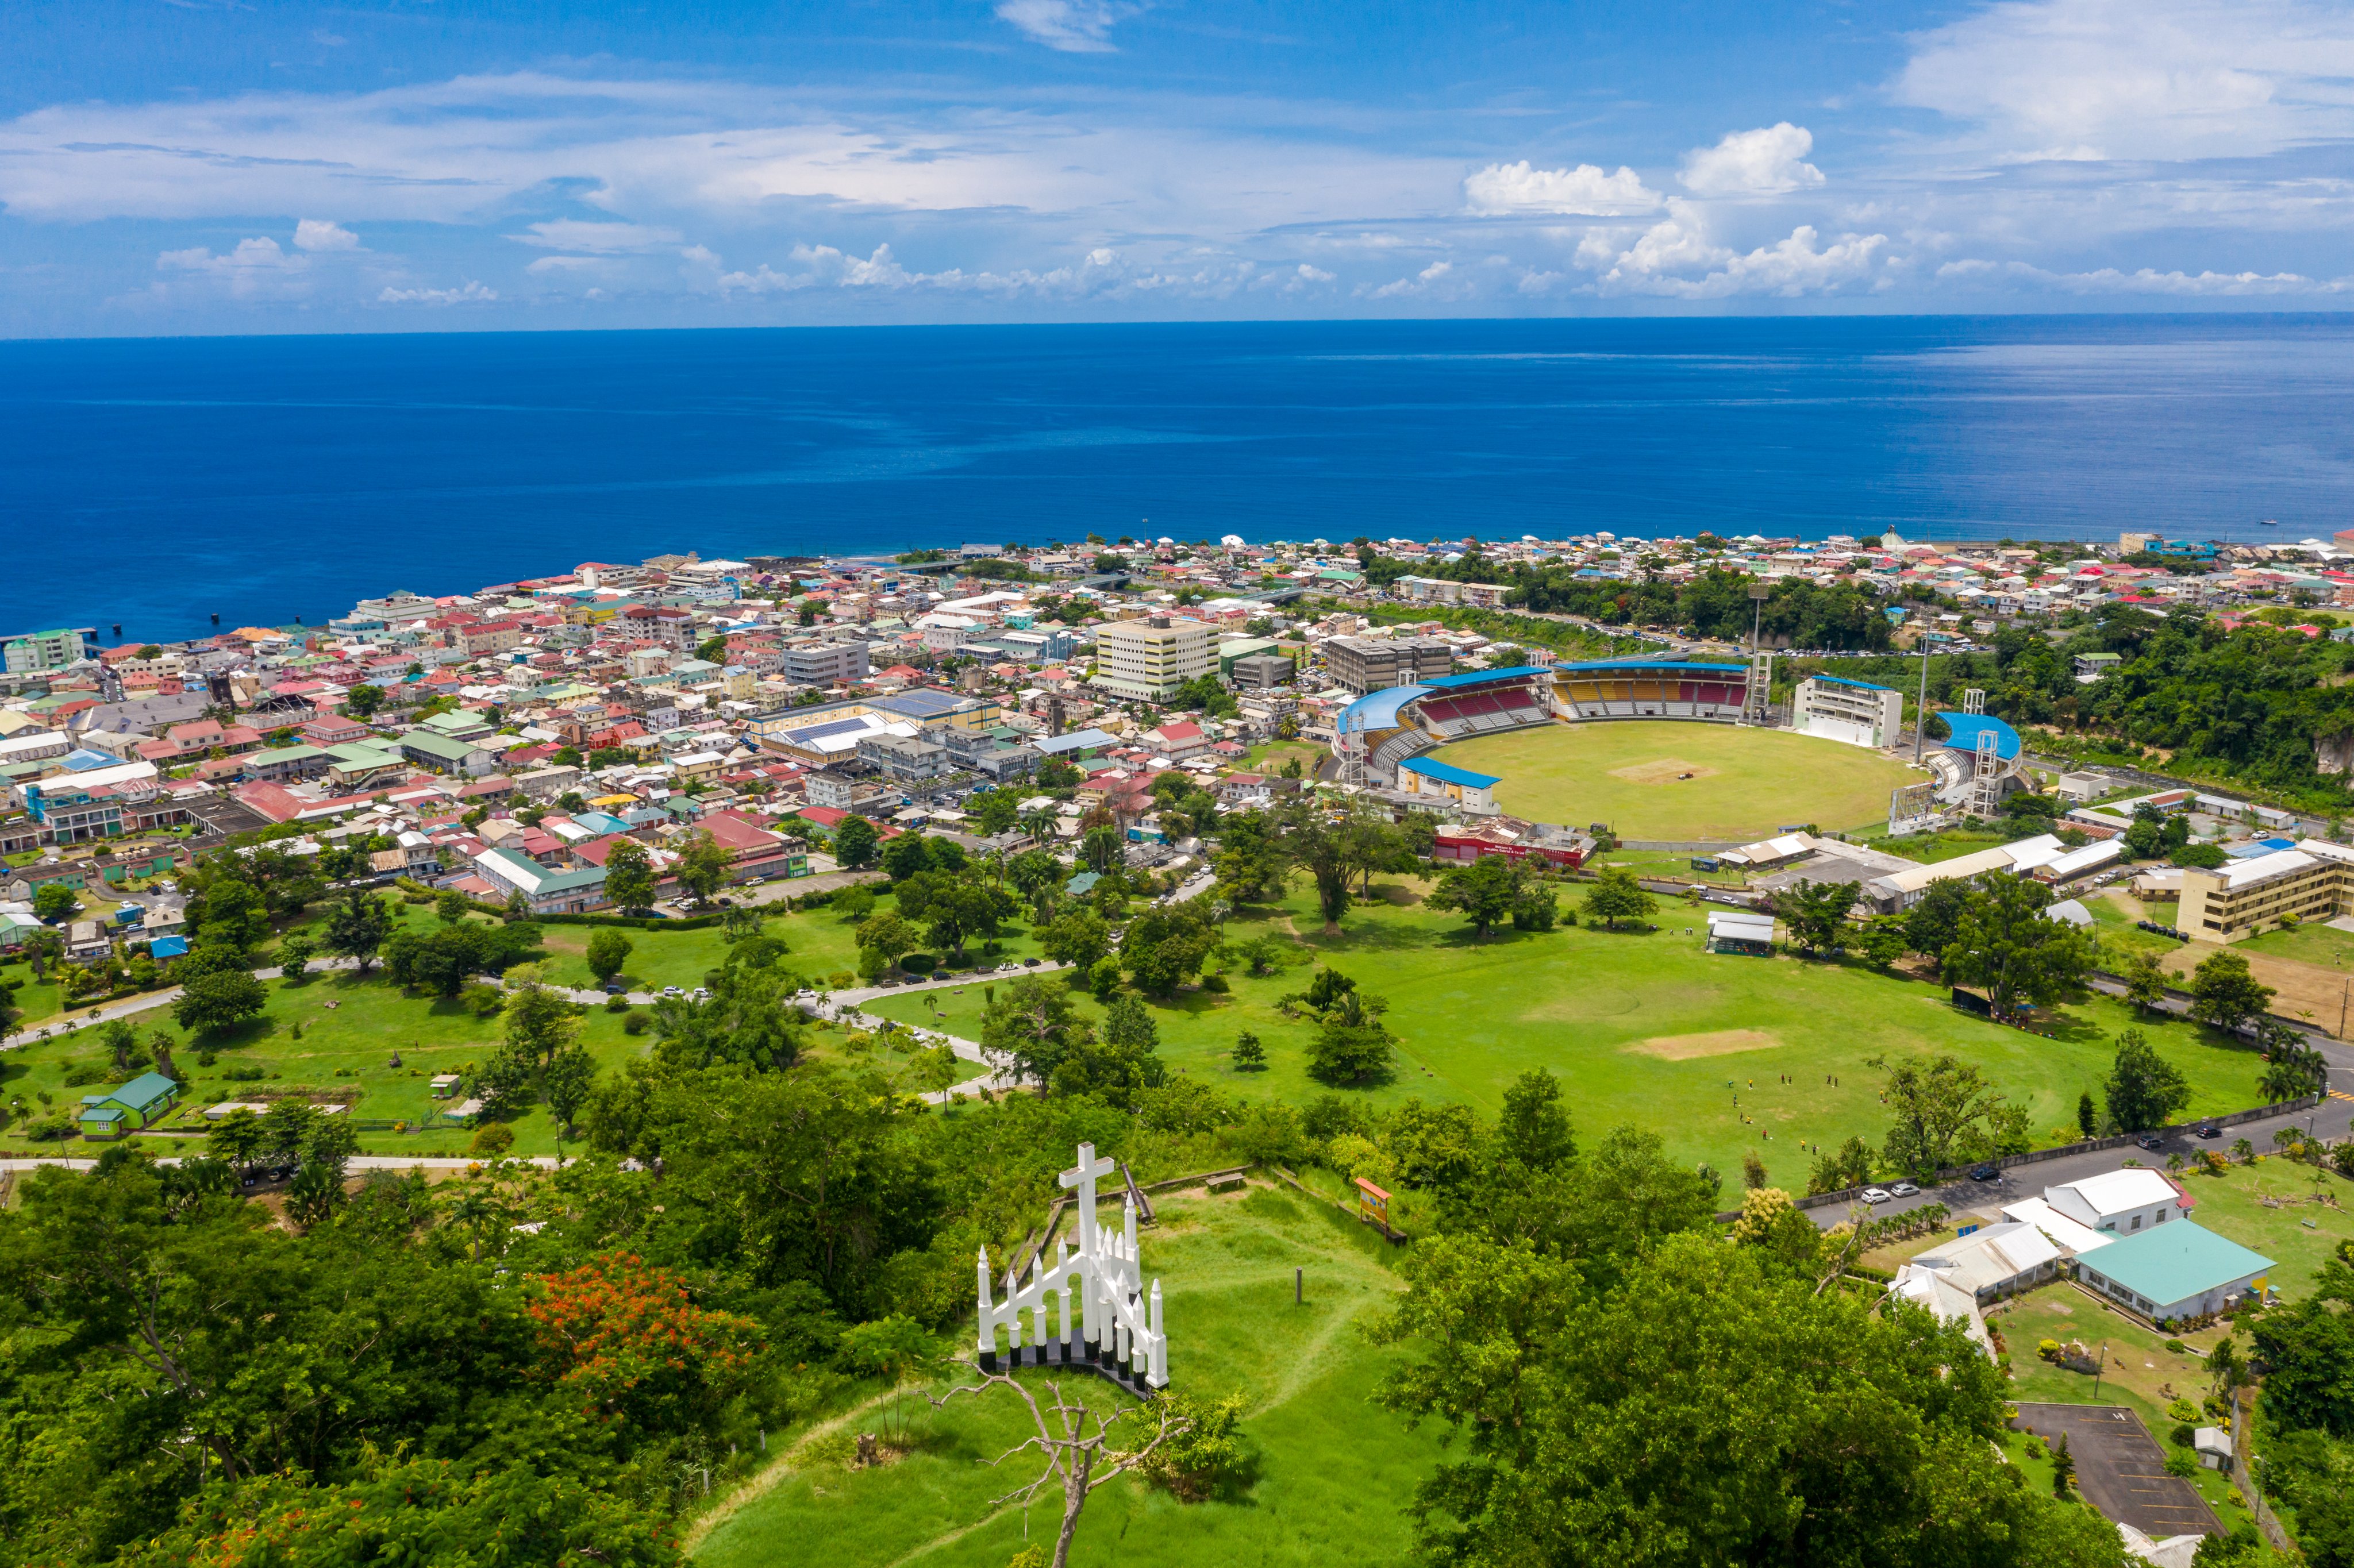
[(1585, 190), (1074, 26), (468, 293), (559, 264), (256, 268), (1677, 258), (1421, 283), (2140, 79), (824, 267), (318, 234), (1768, 161)]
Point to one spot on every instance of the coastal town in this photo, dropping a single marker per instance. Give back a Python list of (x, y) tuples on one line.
[(1898, 772)]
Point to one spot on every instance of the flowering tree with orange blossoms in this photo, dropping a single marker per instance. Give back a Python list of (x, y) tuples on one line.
[(629, 1336)]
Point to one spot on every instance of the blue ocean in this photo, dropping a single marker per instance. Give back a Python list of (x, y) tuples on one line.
[(153, 484)]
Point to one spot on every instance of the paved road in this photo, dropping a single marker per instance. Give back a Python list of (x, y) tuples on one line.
[(2330, 1121), (356, 1163), (2121, 1469)]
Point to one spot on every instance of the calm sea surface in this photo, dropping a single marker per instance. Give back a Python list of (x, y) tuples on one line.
[(154, 482)]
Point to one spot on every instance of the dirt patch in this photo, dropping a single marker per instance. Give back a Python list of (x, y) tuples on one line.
[(1666, 770), (1717, 1042), (2305, 990)]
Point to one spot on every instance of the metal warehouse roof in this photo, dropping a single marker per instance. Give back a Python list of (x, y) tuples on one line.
[(2175, 1262)]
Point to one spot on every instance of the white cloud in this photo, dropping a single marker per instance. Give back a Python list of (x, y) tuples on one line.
[(546, 264), (1585, 190), (1099, 271), (1768, 161), (256, 268), (2141, 78), (605, 239), (1676, 258), (2142, 281), (318, 234), (470, 293), (1074, 26), (1307, 274), (1421, 283)]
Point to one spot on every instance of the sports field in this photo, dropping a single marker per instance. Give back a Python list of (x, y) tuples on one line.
[(1718, 1055), (1683, 782)]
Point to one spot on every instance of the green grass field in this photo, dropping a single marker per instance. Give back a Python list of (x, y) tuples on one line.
[(1642, 1028), (1332, 1471), (1745, 783)]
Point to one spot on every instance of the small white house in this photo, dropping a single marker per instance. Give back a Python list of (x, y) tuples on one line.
[(2213, 1447), (2123, 1201), (1992, 1261)]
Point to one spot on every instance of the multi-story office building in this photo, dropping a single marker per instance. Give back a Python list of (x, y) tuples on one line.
[(1376, 663), (1148, 659)]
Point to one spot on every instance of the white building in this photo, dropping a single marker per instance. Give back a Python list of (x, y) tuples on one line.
[(1150, 659), (1854, 712), (2121, 1201)]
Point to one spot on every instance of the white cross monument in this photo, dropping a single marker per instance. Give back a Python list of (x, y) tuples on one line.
[(1119, 1327)]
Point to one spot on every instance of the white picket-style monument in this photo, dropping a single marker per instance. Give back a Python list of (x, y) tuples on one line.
[(1118, 1328)]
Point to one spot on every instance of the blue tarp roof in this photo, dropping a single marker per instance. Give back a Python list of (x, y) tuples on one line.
[(1658, 667), (168, 948), (1447, 773), (1967, 728)]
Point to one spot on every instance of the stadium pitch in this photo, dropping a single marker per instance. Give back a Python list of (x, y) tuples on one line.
[(1664, 780)]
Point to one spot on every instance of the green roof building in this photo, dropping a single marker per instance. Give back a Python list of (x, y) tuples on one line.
[(2181, 1270), (143, 1102)]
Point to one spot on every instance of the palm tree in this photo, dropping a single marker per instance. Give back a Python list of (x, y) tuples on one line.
[(2243, 1151), (1039, 825)]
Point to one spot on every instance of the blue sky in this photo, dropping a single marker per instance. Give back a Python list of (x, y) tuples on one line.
[(182, 165)]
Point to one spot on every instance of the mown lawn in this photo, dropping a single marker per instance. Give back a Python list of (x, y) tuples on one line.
[(1746, 783), (1641, 1027), (1332, 1471)]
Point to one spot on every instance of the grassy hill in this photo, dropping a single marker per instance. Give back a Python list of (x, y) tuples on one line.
[(1331, 1470)]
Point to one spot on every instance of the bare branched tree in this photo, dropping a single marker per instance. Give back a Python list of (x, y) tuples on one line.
[(1074, 1438)]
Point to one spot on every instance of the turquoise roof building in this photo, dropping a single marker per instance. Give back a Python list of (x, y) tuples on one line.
[(2181, 1270), (143, 1102)]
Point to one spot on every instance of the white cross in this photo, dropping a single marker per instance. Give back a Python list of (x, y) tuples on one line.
[(1083, 1177)]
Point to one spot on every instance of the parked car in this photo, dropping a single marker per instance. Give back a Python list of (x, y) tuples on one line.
[(1875, 1195), (1986, 1174), (673, 990), (614, 988), (2208, 1130), (1903, 1190), (2150, 1141)]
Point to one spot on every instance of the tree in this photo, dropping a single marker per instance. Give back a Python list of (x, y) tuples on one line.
[(608, 952), (994, 812), (1884, 944), (2292, 1071), (1078, 938), (1034, 1025), (2224, 993), (702, 866), (1164, 944), (217, 1000), (1533, 1130), (1816, 913), (1248, 1056), (540, 1022), (356, 927), (1102, 848), (1930, 925), (1317, 848), (363, 700), (1935, 1101), (2003, 943), (2146, 980), (2088, 1115), (854, 841), (2144, 1089), (1564, 1370), (884, 936), (1352, 1046), (2063, 1468), (906, 855), (566, 1084), (628, 875), (451, 905), (294, 955), (53, 902), (1616, 896), (1483, 893)]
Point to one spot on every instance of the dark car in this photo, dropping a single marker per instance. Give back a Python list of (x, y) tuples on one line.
[(2150, 1141), (614, 988), (2208, 1130), (1986, 1174)]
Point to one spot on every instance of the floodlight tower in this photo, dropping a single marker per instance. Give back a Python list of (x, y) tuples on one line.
[(1758, 699)]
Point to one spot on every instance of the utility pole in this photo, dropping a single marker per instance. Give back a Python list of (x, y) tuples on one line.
[(1921, 708)]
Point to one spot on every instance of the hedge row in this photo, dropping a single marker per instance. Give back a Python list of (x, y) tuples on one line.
[(631, 922)]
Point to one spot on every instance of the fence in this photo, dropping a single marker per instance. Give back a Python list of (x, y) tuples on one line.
[(2088, 1146)]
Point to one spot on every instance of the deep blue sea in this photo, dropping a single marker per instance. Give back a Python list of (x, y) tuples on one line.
[(154, 482)]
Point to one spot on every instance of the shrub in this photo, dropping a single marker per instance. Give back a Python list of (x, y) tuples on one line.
[(1214, 983), (51, 1128), (2182, 1462), (919, 963), (83, 1073), (2181, 1409), (2049, 1349), (494, 1140), (206, 1058), (617, 1003), (484, 1001), (634, 1025), (2183, 1436), (2176, 1347), (1196, 1462)]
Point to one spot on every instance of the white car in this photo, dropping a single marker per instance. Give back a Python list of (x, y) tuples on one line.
[(1876, 1195), (1903, 1190), (673, 990)]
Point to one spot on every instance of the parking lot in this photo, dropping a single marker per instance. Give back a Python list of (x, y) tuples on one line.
[(2121, 1469)]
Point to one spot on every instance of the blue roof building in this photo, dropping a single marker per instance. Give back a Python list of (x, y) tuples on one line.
[(2181, 1270)]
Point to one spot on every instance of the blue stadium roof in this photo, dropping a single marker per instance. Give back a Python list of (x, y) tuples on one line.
[(1843, 681), (1968, 727), (1479, 677), (1447, 773), (1656, 666), (1379, 710)]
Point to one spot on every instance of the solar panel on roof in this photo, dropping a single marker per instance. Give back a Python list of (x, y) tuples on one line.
[(827, 731)]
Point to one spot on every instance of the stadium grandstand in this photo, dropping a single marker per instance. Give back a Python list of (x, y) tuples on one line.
[(1381, 730)]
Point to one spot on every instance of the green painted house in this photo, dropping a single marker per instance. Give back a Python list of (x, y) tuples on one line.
[(127, 1107)]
